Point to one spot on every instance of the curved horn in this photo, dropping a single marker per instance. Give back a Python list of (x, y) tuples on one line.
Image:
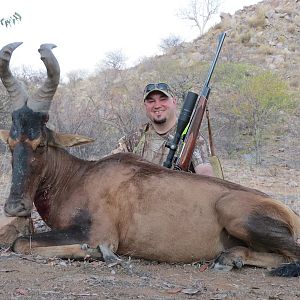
[(13, 86), (42, 100)]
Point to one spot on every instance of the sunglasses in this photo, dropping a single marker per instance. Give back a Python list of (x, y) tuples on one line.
[(157, 86)]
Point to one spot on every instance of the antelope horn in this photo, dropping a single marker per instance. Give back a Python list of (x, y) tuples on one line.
[(42, 100), (14, 88)]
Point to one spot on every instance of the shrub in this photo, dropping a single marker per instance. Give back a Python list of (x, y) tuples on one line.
[(259, 20), (245, 37), (292, 28), (266, 50)]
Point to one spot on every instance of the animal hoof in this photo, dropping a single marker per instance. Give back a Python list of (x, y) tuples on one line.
[(22, 245), (227, 260), (85, 247), (238, 263), (109, 257), (220, 267)]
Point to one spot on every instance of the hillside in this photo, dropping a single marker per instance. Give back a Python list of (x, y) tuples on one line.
[(260, 52), (266, 34)]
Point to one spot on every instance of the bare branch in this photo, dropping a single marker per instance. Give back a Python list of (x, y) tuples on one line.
[(199, 12), (170, 42), (115, 60)]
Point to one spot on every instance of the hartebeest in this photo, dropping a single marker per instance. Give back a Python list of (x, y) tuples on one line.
[(123, 204)]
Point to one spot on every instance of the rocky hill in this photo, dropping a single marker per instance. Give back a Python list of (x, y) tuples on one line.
[(266, 34)]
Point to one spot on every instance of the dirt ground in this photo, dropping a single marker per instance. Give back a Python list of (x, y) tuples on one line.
[(28, 277), (33, 277)]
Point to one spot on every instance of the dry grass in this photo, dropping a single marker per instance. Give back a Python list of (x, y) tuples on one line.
[(5, 172), (297, 20), (278, 182), (245, 37), (294, 82), (266, 50), (258, 20), (292, 28)]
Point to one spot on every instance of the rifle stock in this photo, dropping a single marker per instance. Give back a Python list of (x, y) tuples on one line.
[(184, 160), (183, 120), (192, 129)]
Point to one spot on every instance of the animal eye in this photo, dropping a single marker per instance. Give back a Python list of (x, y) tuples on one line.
[(40, 148), (42, 144)]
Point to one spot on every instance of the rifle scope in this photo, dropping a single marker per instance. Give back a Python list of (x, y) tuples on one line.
[(183, 120)]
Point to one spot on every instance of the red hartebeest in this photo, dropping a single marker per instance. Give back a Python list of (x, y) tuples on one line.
[(123, 204)]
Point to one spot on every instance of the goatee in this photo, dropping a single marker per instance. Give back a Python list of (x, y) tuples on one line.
[(160, 121)]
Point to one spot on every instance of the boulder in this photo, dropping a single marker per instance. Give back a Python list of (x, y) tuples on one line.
[(13, 227)]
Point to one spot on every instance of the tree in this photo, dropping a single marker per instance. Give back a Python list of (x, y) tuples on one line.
[(114, 60), (12, 20), (199, 12), (257, 104), (4, 108), (75, 76), (170, 42)]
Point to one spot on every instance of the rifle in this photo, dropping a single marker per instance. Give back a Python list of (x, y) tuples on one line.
[(189, 121)]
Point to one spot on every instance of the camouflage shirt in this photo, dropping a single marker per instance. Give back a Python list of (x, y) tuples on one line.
[(150, 145)]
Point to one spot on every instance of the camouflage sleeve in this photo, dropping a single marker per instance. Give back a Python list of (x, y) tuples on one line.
[(128, 143), (200, 155), (122, 146)]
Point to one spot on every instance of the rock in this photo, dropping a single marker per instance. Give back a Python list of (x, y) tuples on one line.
[(13, 227), (292, 183)]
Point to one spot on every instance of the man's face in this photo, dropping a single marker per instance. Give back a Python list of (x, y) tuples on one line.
[(160, 108)]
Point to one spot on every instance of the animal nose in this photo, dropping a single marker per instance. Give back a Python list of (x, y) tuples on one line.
[(17, 208)]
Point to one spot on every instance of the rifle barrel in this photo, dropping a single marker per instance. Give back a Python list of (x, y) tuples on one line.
[(214, 62), (190, 120)]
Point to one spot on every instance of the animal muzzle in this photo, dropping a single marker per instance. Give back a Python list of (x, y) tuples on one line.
[(17, 208)]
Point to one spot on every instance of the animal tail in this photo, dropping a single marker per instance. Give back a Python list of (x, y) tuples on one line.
[(287, 270), (277, 236)]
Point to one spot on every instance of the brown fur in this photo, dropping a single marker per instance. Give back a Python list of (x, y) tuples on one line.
[(137, 208)]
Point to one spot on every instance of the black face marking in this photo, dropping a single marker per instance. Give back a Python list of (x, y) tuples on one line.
[(27, 124), (27, 131), (20, 170)]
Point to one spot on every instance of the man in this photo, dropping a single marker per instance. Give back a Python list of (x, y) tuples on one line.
[(149, 142)]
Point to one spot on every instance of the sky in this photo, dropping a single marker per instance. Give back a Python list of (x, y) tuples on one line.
[(85, 31)]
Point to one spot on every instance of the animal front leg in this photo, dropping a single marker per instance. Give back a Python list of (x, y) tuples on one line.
[(109, 256), (67, 243), (105, 237), (75, 251)]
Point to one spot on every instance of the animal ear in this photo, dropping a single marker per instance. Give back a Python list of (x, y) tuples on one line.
[(4, 135), (67, 140)]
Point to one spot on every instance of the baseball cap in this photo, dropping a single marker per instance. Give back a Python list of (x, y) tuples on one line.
[(160, 87)]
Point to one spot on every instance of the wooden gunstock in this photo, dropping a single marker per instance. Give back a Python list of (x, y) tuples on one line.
[(185, 157)]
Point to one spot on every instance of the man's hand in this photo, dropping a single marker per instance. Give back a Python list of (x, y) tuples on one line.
[(204, 169)]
